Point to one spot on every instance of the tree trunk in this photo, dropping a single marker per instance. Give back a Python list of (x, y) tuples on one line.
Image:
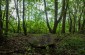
[(16, 7), (56, 21), (79, 22), (24, 25), (83, 24), (64, 15), (74, 25), (70, 25), (1, 25), (47, 17), (7, 16)]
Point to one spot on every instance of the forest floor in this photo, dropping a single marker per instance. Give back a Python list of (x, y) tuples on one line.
[(44, 44)]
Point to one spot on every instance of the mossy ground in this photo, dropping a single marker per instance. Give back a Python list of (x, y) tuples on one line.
[(66, 44)]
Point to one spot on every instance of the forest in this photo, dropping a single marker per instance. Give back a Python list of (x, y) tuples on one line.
[(42, 27)]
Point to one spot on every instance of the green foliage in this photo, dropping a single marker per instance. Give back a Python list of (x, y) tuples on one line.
[(72, 45), (35, 15)]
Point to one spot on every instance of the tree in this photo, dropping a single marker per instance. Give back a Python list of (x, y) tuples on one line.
[(1, 25), (24, 25), (67, 15), (7, 16), (70, 23), (47, 21), (56, 19), (64, 15), (83, 24), (17, 12)]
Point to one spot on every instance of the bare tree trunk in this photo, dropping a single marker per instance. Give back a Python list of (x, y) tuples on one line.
[(1, 26), (74, 26), (1, 23), (56, 16), (56, 21), (17, 12), (79, 22), (47, 17), (7, 16), (24, 25), (70, 24), (64, 15), (83, 24)]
